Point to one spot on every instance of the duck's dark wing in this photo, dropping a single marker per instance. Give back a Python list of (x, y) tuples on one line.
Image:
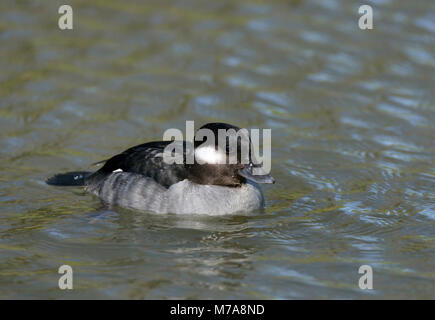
[(146, 159)]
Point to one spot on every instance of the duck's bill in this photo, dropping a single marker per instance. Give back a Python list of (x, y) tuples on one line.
[(246, 172)]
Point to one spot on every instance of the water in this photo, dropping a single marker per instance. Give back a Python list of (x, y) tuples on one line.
[(352, 119)]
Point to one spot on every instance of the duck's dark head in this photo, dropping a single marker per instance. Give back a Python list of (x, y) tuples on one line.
[(228, 163)]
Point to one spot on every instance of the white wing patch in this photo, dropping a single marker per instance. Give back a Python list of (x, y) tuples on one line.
[(209, 155), (117, 170)]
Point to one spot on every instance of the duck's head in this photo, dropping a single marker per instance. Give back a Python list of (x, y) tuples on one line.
[(222, 156)]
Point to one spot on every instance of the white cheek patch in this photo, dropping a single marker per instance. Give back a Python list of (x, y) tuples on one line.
[(209, 155)]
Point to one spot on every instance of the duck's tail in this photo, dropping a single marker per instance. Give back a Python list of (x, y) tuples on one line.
[(76, 178)]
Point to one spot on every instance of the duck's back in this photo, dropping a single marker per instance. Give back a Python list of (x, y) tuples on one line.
[(145, 159)]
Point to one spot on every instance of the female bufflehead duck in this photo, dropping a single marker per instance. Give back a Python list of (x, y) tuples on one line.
[(139, 178)]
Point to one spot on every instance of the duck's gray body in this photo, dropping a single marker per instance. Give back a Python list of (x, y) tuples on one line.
[(135, 191)]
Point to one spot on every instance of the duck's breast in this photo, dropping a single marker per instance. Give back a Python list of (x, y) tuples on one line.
[(187, 197)]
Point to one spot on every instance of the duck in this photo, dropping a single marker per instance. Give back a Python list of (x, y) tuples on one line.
[(141, 178)]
